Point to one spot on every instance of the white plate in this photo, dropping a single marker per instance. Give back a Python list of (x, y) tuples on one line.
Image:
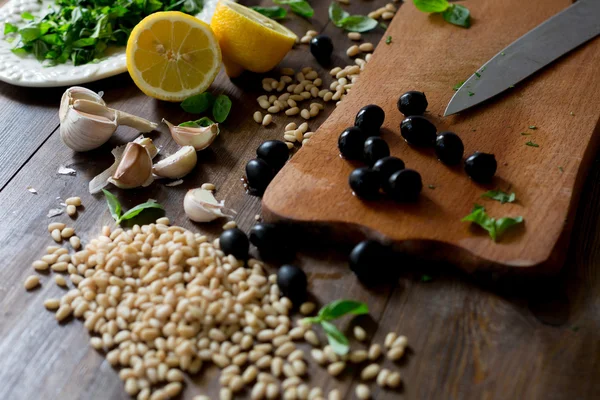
[(27, 71)]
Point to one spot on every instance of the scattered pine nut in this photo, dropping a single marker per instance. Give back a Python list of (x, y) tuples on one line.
[(287, 71), (395, 353), (305, 114), (292, 111), (60, 281), (56, 225), (394, 380), (386, 16), (59, 266), (305, 39), (362, 391), (336, 368), (40, 265), (368, 57), (354, 36), (31, 282), (71, 210), (289, 145), (267, 120), (73, 201), (374, 351), (274, 109), (359, 333), (52, 304), (63, 312), (308, 307), (401, 341), (75, 242), (312, 33), (382, 377), (366, 47), (229, 225), (291, 126), (369, 372), (391, 7), (352, 51), (344, 1), (264, 104), (389, 339), (258, 117), (358, 356), (56, 236), (67, 233), (311, 337), (334, 394), (312, 75), (289, 138)]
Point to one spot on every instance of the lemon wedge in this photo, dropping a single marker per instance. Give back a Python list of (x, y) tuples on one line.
[(248, 39), (172, 56)]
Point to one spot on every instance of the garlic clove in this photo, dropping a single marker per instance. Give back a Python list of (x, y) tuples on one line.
[(200, 205), (86, 125), (134, 169), (148, 144), (77, 93), (200, 138), (177, 165)]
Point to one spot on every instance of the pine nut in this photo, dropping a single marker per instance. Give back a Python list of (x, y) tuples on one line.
[(40, 265), (369, 372), (314, 92), (336, 368), (273, 109), (382, 377), (296, 97), (52, 304), (401, 341), (56, 225), (209, 186), (75, 242), (291, 103), (334, 394), (73, 201), (342, 82), (358, 356), (258, 391), (359, 333), (31, 282), (300, 77), (368, 57), (355, 69), (291, 126), (352, 51), (264, 104), (67, 233), (292, 111), (302, 128), (308, 307), (305, 114), (267, 120), (258, 117), (63, 312), (277, 366), (341, 74), (318, 82), (60, 280), (56, 236), (289, 371), (71, 210), (374, 351), (314, 111), (366, 47), (375, 14), (362, 392), (272, 391), (328, 96), (287, 71), (386, 16), (289, 145), (312, 33), (393, 380), (336, 96), (395, 353), (391, 7), (312, 75), (225, 394), (311, 337), (250, 374), (305, 95), (354, 36), (289, 138), (334, 71)]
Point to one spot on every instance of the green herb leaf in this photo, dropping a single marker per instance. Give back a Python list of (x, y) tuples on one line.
[(432, 6), (337, 13), (426, 278), (271, 12), (525, 134), (495, 228), (337, 340), (383, 25), (358, 23), (432, 187), (221, 108), (138, 209), (339, 308), (533, 127), (27, 16), (10, 28), (204, 121), (500, 196), (189, 124), (532, 144), (458, 85), (29, 34), (388, 40), (458, 15), (113, 204), (561, 169), (470, 93), (300, 7), (199, 103)]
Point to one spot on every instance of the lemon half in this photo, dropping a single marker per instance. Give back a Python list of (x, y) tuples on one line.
[(172, 55)]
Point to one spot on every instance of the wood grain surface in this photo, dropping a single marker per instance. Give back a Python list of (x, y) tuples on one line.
[(471, 336), (433, 60)]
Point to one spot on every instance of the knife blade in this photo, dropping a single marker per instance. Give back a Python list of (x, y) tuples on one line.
[(539, 47)]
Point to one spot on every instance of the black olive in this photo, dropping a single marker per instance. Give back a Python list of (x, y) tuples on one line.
[(405, 185), (274, 152), (292, 283), (321, 47), (375, 148), (365, 183), (449, 148), (385, 167), (235, 242), (371, 261), (351, 143), (481, 167), (259, 174), (369, 119), (418, 131), (412, 103), (270, 240)]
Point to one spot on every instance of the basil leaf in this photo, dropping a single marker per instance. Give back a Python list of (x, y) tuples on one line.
[(10, 28), (531, 144), (271, 12), (339, 308), (337, 13), (29, 34), (189, 124), (500, 196), (113, 204), (358, 23), (504, 223), (85, 42), (432, 6), (458, 15), (388, 40), (204, 121), (199, 103), (338, 342), (300, 7), (221, 108), (138, 209), (27, 16), (495, 228)]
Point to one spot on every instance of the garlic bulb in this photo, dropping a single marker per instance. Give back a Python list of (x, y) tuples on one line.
[(101, 180), (200, 138), (86, 123), (177, 165), (135, 168), (201, 206)]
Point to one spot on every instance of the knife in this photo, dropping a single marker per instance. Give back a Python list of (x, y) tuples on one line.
[(539, 47)]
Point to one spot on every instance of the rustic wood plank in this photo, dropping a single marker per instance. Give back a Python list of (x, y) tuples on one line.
[(470, 337)]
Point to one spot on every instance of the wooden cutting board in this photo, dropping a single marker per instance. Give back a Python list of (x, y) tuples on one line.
[(430, 55)]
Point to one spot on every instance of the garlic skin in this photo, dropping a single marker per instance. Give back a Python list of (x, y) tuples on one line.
[(200, 138), (201, 206), (86, 123), (134, 169), (177, 165)]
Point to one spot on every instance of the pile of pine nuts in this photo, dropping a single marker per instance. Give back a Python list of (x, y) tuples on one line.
[(159, 300), (385, 13)]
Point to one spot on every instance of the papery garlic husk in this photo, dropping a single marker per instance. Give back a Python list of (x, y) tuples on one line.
[(86, 123), (77, 93), (200, 138), (134, 169), (101, 180), (177, 165), (200, 205)]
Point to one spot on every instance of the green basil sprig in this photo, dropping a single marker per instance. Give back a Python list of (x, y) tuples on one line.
[(200, 103), (221, 108), (454, 13), (115, 208), (494, 227), (334, 310), (271, 12), (300, 7), (353, 23)]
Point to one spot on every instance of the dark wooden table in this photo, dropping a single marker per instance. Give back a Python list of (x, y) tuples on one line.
[(471, 337)]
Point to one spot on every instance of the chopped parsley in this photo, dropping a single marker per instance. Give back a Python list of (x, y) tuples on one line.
[(561, 169), (532, 127), (503, 54), (471, 93), (494, 227), (500, 196), (432, 187), (531, 144), (477, 74), (525, 134), (388, 40), (458, 85), (426, 278), (383, 25)]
